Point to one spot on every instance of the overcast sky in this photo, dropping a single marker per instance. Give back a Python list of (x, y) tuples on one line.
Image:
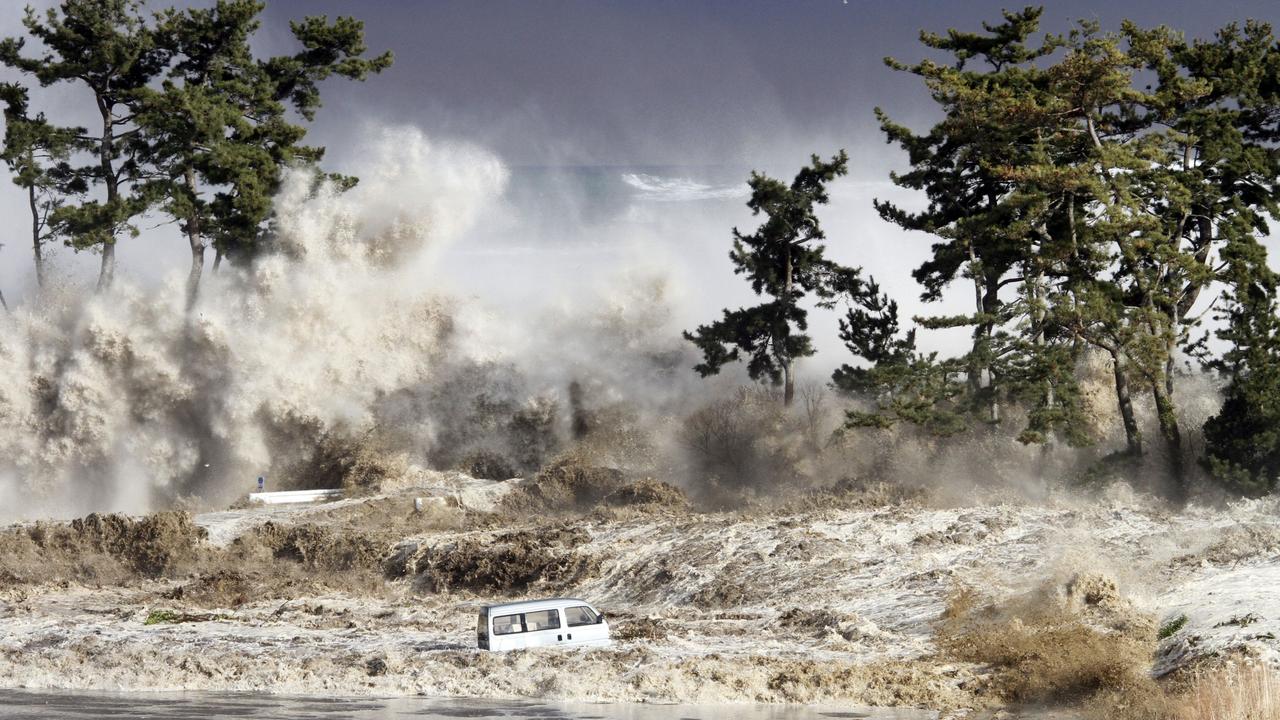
[(672, 81)]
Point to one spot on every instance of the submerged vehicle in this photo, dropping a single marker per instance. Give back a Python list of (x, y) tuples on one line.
[(561, 622)]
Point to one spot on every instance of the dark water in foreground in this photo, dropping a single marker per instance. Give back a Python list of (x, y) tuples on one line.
[(42, 705)]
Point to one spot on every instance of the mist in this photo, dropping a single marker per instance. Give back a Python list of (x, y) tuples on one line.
[(449, 305), (116, 400), (525, 250)]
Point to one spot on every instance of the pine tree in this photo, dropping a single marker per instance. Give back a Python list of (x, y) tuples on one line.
[(900, 383), (292, 82), (190, 124), (783, 259), (38, 154), (1215, 183), (1087, 207), (988, 169), (218, 124), (1235, 130), (988, 99), (1242, 441), (107, 46)]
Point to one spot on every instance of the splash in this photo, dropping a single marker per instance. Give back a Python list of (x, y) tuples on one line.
[(124, 402)]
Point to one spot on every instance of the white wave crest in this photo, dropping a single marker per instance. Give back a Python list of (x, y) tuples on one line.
[(662, 189)]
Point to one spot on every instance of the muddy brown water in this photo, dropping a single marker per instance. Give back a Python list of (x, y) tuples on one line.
[(44, 705)]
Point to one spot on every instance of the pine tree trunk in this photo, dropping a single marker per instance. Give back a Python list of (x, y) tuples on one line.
[(1162, 393), (106, 153), (1162, 389), (1048, 397), (990, 300), (1168, 419), (788, 367), (196, 242), (3, 304), (197, 269), (1038, 318), (107, 271), (985, 297), (975, 365), (217, 258), (788, 384), (37, 248), (1133, 436)]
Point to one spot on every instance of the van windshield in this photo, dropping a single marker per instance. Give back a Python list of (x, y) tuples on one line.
[(580, 615)]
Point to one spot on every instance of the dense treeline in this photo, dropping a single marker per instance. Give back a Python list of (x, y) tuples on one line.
[(1102, 192), (192, 123)]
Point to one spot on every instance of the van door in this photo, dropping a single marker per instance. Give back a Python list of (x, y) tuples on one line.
[(585, 626), (508, 633), (543, 627)]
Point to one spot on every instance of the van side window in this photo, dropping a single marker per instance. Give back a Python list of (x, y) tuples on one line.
[(507, 625), (580, 615), (541, 620)]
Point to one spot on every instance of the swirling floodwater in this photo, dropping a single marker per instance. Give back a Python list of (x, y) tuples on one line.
[(43, 705)]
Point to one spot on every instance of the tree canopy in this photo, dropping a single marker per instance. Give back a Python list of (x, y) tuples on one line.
[(1092, 187), (192, 122), (217, 135)]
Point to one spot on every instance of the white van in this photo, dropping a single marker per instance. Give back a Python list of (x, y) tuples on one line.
[(561, 622)]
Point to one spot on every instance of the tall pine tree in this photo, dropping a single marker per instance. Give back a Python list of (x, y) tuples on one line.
[(217, 132), (784, 259), (1086, 206), (1242, 441), (107, 47), (38, 155)]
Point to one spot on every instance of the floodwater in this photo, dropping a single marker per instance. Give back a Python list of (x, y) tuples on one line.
[(43, 705)]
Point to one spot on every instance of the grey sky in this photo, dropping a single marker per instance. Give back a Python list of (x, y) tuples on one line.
[(671, 82)]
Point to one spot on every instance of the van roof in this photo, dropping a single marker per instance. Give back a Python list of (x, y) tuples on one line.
[(535, 604)]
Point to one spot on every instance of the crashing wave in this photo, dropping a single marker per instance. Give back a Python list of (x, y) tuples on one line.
[(120, 400)]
